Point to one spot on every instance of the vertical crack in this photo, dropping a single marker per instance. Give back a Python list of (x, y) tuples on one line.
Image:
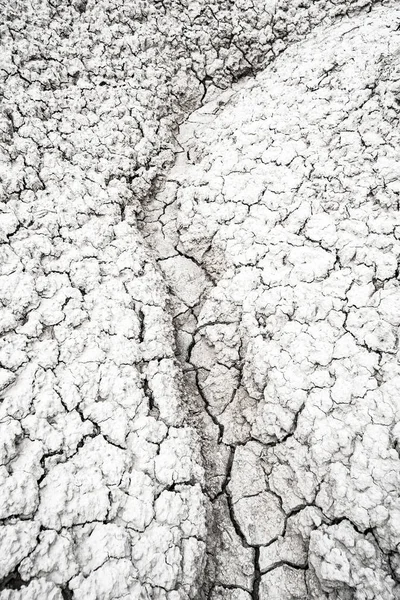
[(12, 581), (255, 594), (67, 593)]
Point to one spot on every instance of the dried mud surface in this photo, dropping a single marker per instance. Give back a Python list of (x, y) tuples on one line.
[(199, 285)]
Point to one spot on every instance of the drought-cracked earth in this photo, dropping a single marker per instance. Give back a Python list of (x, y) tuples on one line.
[(200, 300)]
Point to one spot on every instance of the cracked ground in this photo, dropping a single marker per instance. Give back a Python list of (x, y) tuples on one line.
[(200, 301)]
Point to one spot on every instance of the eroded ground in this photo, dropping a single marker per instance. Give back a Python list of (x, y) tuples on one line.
[(199, 366)]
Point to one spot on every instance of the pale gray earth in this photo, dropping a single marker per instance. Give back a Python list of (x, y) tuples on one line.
[(200, 300)]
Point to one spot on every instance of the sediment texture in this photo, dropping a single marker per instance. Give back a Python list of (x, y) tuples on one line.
[(199, 363)]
